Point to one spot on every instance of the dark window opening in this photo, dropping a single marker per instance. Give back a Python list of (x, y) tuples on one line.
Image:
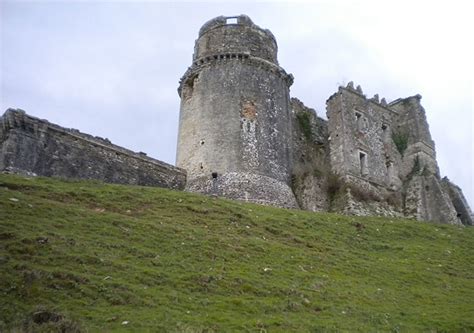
[(202, 142), (359, 121), (384, 127), (214, 175), (363, 163)]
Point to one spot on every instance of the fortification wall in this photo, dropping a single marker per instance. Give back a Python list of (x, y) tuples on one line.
[(35, 146)]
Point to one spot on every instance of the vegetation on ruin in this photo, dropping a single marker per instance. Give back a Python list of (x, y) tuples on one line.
[(335, 186), (304, 123), (400, 139), (86, 256)]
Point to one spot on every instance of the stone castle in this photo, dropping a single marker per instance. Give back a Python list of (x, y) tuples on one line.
[(241, 136)]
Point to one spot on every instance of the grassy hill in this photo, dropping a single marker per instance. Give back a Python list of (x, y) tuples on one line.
[(86, 256)]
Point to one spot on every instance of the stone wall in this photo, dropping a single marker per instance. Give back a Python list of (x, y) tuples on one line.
[(310, 158), (231, 35), (463, 210), (34, 146), (361, 144), (412, 125)]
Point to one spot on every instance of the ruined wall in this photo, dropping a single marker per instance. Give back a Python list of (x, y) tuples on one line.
[(412, 126), (463, 210), (427, 200), (360, 137), (386, 157), (235, 125), (34, 146), (310, 158)]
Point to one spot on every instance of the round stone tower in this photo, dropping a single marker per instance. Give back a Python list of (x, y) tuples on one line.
[(235, 125)]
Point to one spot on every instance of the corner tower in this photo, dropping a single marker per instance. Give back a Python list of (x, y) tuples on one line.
[(235, 126)]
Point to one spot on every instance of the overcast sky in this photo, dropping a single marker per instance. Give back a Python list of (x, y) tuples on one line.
[(112, 68)]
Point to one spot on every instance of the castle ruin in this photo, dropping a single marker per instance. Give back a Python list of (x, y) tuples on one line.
[(241, 136)]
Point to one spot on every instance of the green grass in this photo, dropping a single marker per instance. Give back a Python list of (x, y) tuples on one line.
[(168, 261)]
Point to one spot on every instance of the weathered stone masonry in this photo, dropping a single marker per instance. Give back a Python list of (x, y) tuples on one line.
[(35, 146), (385, 151), (235, 122), (241, 136)]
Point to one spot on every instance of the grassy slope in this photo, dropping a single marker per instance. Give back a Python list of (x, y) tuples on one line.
[(173, 261)]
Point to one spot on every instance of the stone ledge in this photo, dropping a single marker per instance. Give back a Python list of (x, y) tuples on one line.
[(198, 64)]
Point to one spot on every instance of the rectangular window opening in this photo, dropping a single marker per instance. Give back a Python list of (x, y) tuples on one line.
[(359, 121), (363, 163), (231, 20)]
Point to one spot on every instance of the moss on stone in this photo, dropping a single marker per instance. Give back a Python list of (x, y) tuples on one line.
[(305, 124)]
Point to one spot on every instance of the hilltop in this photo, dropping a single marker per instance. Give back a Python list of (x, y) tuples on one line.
[(89, 256)]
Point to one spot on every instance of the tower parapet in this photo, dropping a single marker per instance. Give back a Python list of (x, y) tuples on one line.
[(235, 35)]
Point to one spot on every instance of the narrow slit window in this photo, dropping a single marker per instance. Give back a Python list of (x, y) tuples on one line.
[(359, 121), (363, 163), (385, 133)]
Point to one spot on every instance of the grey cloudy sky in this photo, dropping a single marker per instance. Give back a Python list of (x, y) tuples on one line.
[(112, 68)]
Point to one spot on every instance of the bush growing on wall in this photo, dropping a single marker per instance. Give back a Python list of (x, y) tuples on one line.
[(305, 124), (400, 139)]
